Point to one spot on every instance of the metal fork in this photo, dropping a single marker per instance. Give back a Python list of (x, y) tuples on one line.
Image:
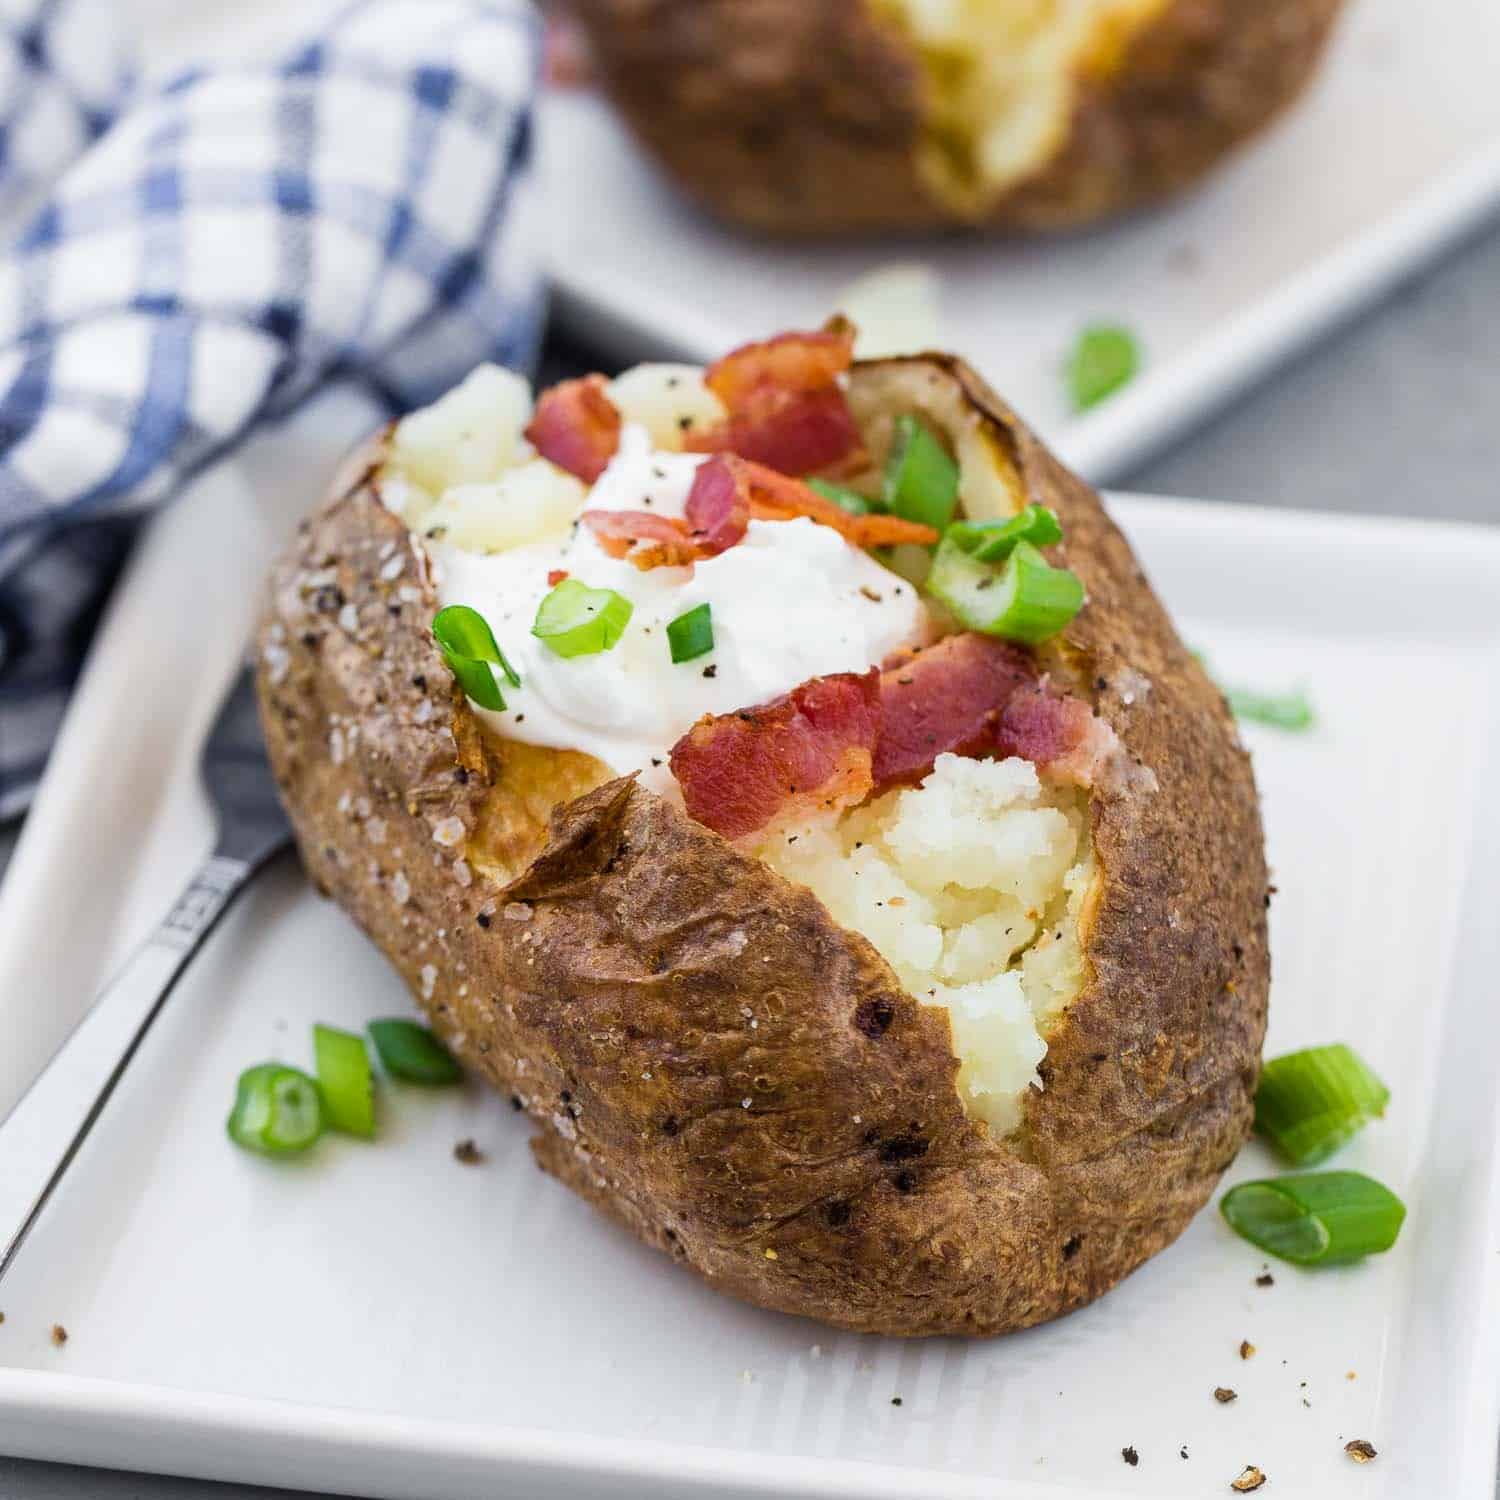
[(44, 1132)]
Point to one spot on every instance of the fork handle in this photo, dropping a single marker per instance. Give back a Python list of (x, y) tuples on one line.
[(44, 1132)]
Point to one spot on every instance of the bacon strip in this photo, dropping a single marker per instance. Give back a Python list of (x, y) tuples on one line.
[(946, 698), (1061, 735), (812, 749), (646, 539), (834, 741), (776, 497), (718, 504), (786, 407), (576, 426)]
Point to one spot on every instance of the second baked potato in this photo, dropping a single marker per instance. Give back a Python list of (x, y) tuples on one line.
[(816, 117)]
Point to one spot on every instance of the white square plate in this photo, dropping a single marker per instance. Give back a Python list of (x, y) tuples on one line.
[(381, 1320), (1393, 151)]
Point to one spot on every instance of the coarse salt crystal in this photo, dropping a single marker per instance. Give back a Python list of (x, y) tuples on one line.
[(375, 830), (392, 570), (278, 662), (518, 911), (462, 873), (422, 712), (349, 619), (400, 888), (336, 746), (345, 802), (449, 832), (429, 981)]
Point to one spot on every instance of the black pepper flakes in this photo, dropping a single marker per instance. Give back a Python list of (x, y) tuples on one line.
[(711, 671), (1223, 1395), (1360, 1450), (483, 918), (468, 1153), (1130, 1456), (516, 1104), (1182, 1451), (1247, 1349), (59, 1335), (895, 1401), (1250, 1479), (1265, 1279)]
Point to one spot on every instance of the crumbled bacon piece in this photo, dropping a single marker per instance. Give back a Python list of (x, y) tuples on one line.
[(975, 695), (786, 408), (777, 497), (644, 538), (1061, 735), (811, 749), (718, 504), (946, 698), (576, 426)]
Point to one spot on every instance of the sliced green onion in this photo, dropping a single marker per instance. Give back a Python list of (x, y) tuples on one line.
[(575, 620), (843, 497), (992, 541), (277, 1110), (469, 646), (345, 1080), (921, 481), (1105, 357), (691, 635), (1316, 1218), (412, 1052), (1026, 600), (1312, 1102), (1291, 711)]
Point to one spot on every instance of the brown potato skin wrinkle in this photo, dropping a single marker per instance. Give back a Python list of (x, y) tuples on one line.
[(802, 117), (637, 941)]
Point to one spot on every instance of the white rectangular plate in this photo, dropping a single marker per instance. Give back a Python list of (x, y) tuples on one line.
[(381, 1320), (1394, 151)]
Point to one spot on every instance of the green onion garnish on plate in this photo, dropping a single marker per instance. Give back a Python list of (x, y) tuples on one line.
[(842, 496), (1105, 357), (1316, 1218), (1291, 711), (575, 620), (1312, 1102), (345, 1080), (992, 541), (921, 480), (412, 1052), (469, 647), (691, 635), (277, 1110), (1026, 600)]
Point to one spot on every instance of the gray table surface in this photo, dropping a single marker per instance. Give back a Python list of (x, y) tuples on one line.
[(1397, 415)]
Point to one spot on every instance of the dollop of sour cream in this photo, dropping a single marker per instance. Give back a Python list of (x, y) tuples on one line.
[(793, 600)]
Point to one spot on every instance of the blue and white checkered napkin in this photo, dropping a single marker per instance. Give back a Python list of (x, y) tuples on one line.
[(356, 209)]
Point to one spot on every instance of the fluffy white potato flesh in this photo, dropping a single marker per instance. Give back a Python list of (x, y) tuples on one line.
[(468, 436), (533, 502), (668, 400), (971, 886)]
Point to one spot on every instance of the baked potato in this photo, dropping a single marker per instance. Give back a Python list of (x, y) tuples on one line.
[(880, 970), (819, 117)]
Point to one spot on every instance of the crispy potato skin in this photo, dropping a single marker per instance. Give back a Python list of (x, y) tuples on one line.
[(801, 117), (818, 1161)]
